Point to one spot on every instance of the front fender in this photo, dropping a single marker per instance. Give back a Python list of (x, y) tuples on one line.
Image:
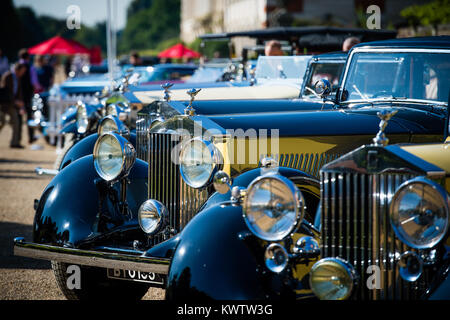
[(85, 147), (218, 258), (212, 262), (67, 211), (69, 127)]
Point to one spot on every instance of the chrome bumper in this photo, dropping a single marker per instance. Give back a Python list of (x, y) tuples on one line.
[(91, 258)]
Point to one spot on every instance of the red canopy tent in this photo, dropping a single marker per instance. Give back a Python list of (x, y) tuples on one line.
[(179, 51), (59, 45)]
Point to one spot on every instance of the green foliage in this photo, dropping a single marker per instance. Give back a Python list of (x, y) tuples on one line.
[(146, 28), (138, 5), (10, 30), (430, 14), (92, 36), (210, 47)]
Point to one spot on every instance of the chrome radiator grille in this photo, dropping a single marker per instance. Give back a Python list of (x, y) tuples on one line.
[(306, 162), (165, 183), (142, 126), (356, 227)]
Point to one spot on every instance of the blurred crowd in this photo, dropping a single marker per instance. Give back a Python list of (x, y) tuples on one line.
[(19, 82)]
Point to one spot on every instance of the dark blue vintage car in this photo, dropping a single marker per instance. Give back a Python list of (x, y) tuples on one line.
[(219, 199)]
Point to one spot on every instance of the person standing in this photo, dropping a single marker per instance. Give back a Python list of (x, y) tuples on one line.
[(4, 64), (29, 84), (44, 72), (14, 105)]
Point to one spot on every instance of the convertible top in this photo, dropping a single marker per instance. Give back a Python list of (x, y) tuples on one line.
[(313, 38), (435, 42)]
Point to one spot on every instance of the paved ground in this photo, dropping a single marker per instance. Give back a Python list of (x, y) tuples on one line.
[(23, 278)]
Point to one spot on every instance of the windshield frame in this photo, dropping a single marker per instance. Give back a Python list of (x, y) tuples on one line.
[(385, 50)]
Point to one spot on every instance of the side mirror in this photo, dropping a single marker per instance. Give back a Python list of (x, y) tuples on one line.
[(323, 88)]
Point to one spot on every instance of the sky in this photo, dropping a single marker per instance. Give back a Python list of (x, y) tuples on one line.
[(92, 11)]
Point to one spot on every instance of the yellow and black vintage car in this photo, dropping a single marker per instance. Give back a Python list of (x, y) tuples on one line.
[(153, 215)]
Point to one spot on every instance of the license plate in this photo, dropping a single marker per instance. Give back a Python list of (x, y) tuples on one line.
[(131, 275)]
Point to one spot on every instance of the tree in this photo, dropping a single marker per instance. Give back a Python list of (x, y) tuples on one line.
[(430, 14), (10, 30), (146, 28)]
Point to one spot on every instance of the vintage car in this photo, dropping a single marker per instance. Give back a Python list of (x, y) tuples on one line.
[(152, 215), (384, 222)]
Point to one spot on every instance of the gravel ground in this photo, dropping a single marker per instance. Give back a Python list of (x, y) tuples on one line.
[(23, 278)]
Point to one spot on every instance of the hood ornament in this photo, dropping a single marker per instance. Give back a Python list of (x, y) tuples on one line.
[(385, 115), (190, 111), (166, 88)]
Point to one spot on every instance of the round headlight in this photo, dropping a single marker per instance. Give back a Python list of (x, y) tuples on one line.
[(113, 156), (107, 124), (419, 213), (332, 279), (273, 207), (82, 118), (111, 110), (199, 161), (152, 216)]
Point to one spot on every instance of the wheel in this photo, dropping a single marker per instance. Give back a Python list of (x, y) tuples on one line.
[(68, 143), (94, 284)]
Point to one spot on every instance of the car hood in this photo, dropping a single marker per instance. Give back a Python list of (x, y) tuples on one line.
[(333, 122), (280, 91), (435, 153)]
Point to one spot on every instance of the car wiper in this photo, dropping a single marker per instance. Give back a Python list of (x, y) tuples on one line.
[(313, 92), (360, 94)]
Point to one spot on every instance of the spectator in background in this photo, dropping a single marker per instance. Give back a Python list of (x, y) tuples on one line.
[(44, 72), (29, 84), (135, 59), (273, 48), (349, 43), (14, 105), (4, 64)]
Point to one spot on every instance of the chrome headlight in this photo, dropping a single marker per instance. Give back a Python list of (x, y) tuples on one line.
[(152, 216), (419, 213), (113, 156), (111, 110), (82, 118), (273, 207), (199, 161), (332, 279), (108, 124)]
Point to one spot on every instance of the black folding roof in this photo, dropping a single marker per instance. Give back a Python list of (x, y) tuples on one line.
[(320, 38)]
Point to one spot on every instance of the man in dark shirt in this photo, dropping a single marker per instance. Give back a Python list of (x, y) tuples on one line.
[(28, 83), (11, 81)]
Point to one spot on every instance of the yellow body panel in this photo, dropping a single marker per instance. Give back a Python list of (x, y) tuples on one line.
[(308, 153), (436, 153), (225, 93)]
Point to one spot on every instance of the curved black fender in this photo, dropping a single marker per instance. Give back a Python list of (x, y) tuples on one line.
[(440, 287), (69, 127), (85, 147), (217, 257), (67, 213)]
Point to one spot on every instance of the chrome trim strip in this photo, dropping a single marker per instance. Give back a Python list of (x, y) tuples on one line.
[(92, 258)]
